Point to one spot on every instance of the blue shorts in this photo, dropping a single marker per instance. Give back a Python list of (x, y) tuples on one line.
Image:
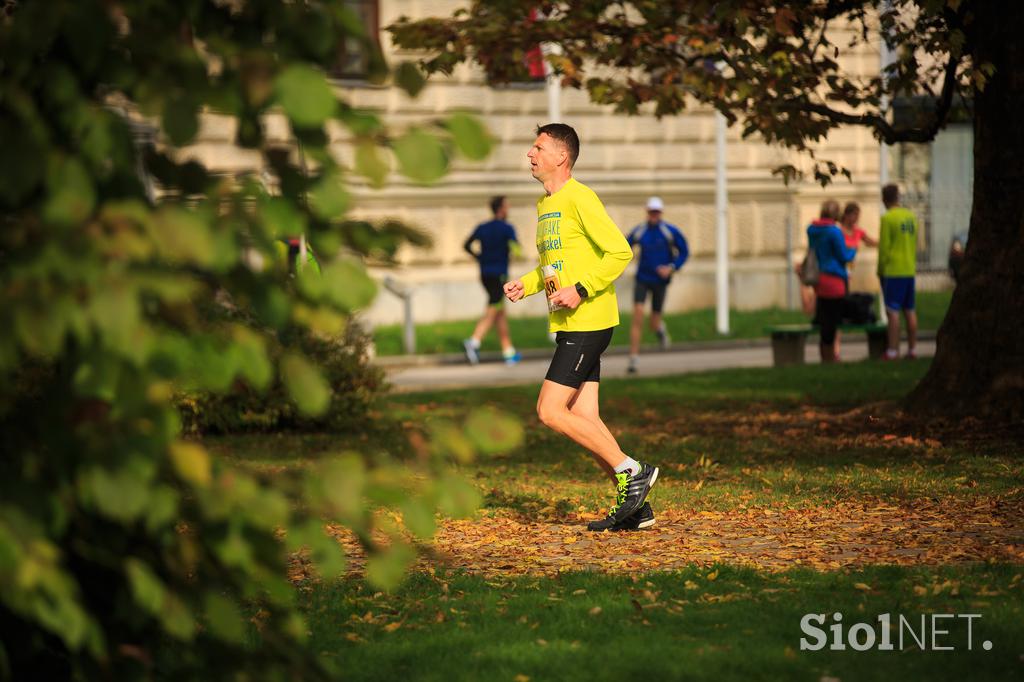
[(898, 293)]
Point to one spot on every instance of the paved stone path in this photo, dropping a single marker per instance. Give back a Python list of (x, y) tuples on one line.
[(407, 379)]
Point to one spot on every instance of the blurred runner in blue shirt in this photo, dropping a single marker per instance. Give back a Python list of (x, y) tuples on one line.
[(497, 239), (663, 250)]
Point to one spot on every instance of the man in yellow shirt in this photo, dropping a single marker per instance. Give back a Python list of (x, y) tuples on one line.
[(582, 252), (897, 266)]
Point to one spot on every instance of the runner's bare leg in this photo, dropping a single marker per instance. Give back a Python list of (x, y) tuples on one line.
[(484, 325), (585, 404), (501, 323), (553, 410), (636, 330)]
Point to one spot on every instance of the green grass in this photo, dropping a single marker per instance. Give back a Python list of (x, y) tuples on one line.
[(697, 325), (751, 435), (740, 625), (729, 440), (794, 435), (931, 308)]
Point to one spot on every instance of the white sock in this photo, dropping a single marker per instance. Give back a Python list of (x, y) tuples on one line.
[(629, 463), (509, 352), (473, 342), (633, 359), (890, 353)]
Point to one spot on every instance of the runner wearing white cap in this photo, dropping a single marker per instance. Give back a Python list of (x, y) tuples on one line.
[(663, 250)]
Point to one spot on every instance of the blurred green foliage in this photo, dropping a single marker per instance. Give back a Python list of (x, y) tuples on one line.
[(131, 274), (352, 384)]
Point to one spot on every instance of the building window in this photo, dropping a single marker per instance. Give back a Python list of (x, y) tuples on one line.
[(354, 55)]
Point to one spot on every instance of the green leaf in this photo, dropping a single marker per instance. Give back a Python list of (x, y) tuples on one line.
[(120, 494), (494, 432), (419, 517), (180, 120), (235, 550), (306, 387), (147, 589), (97, 377), (362, 123), (281, 218), (311, 283), (162, 507), (342, 482), (371, 164), (272, 306), (223, 618), (177, 619), (409, 78), (324, 550), (183, 236), (347, 285), (421, 156), (471, 137), (192, 463), (270, 509), (456, 497), (387, 569), (252, 353), (114, 310), (305, 96), (21, 163), (71, 193), (327, 197), (41, 332), (445, 438)]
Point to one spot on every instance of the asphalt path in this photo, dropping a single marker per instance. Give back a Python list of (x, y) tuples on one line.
[(613, 365)]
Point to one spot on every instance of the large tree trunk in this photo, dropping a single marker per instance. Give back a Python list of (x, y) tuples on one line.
[(979, 363)]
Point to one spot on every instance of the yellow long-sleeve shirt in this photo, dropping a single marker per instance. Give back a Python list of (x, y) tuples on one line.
[(576, 236)]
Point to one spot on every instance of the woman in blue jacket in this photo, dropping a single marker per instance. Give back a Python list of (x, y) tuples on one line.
[(826, 239)]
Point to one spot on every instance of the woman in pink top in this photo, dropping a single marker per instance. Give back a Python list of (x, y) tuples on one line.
[(851, 230)]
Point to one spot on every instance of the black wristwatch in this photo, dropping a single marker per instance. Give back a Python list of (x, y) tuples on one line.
[(581, 290)]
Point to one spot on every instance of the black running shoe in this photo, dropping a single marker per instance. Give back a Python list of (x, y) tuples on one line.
[(633, 490), (607, 523), (641, 518)]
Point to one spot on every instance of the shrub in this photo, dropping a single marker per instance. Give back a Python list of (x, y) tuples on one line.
[(354, 386), (127, 552)]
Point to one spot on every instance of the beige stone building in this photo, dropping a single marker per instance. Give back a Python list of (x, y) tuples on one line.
[(624, 159)]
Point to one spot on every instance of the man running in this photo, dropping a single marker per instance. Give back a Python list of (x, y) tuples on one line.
[(582, 252), (663, 251), (496, 238)]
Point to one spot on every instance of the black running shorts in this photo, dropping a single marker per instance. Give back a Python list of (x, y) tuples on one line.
[(578, 357), (657, 294), (494, 285)]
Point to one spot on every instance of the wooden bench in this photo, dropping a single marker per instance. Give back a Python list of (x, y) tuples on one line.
[(788, 340)]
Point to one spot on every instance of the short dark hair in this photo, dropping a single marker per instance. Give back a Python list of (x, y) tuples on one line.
[(851, 208), (890, 194), (564, 134), (496, 203), (830, 209)]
